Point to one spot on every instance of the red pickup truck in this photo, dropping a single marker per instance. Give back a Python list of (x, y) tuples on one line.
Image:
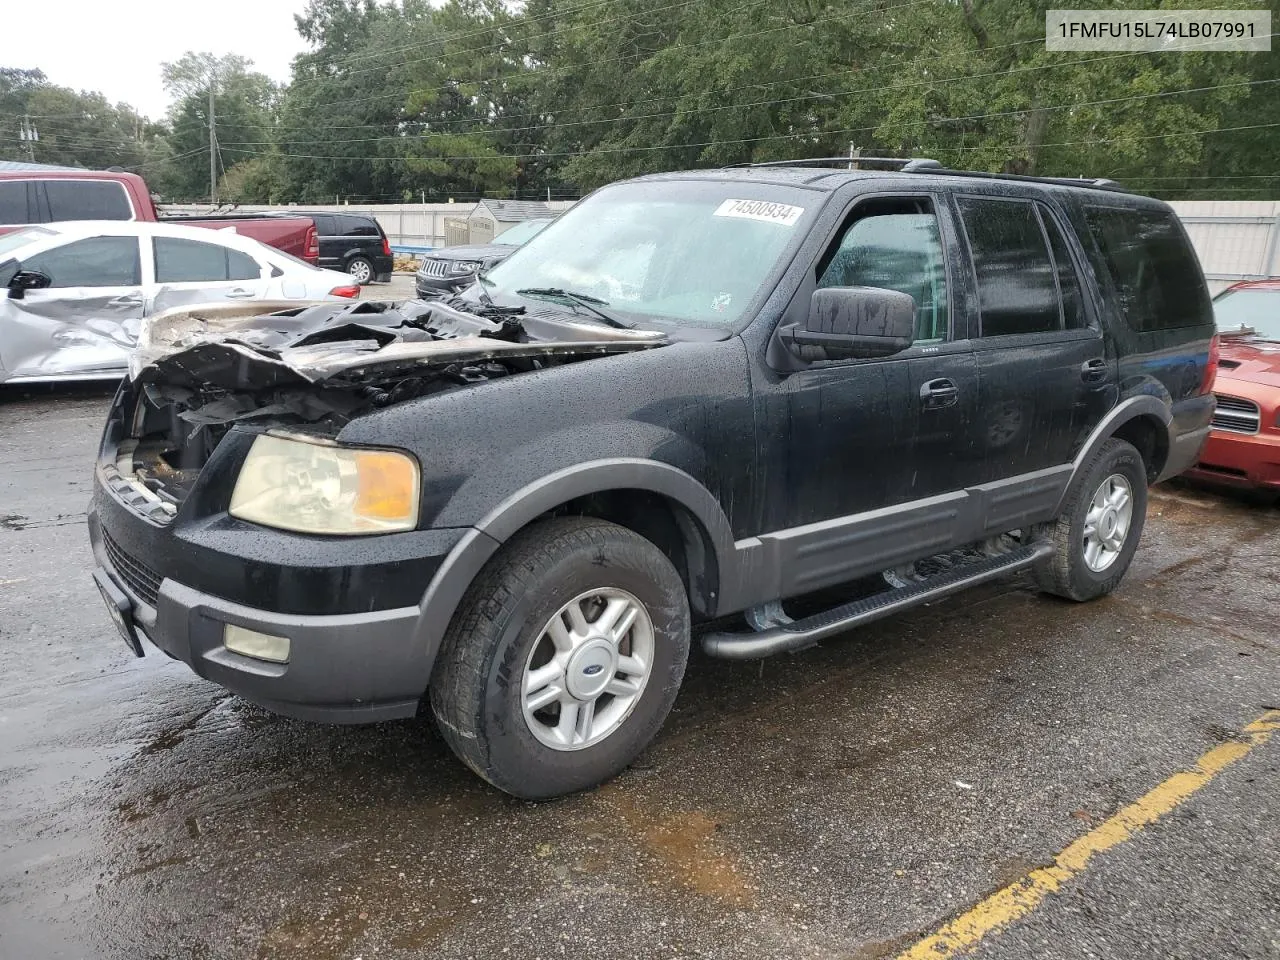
[(47, 196)]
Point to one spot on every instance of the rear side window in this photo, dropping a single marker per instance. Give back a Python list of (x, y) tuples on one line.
[(358, 227), (94, 262), (1155, 272), (190, 261), (13, 202), (87, 200), (324, 225), (1017, 288)]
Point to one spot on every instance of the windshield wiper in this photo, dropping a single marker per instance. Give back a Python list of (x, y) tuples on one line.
[(584, 300)]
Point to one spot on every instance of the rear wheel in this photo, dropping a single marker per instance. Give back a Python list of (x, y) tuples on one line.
[(563, 659), (361, 270), (1098, 532)]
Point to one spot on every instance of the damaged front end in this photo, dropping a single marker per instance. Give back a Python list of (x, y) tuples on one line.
[(199, 372)]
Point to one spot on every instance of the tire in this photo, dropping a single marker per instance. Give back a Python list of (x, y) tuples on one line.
[(1082, 570), (361, 270), (503, 633)]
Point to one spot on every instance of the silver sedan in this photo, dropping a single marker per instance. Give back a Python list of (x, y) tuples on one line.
[(74, 295)]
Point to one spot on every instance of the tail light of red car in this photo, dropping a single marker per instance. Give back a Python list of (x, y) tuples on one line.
[(350, 292), (1211, 368), (312, 246)]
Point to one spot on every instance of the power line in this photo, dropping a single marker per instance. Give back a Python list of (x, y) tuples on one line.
[(934, 82), (789, 136)]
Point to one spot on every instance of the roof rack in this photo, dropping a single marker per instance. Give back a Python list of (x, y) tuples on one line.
[(905, 164), (926, 165)]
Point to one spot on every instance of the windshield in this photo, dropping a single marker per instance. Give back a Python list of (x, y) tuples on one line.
[(20, 238), (522, 233), (686, 251), (1256, 309)]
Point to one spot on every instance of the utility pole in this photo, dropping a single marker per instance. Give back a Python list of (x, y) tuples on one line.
[(213, 146), (29, 135)]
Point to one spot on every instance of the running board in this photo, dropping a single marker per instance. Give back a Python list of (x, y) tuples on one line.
[(798, 634)]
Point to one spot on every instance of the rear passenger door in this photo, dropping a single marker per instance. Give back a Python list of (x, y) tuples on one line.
[(1046, 377), (191, 271)]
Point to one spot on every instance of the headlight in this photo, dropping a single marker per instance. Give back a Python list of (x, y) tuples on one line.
[(459, 267), (316, 487)]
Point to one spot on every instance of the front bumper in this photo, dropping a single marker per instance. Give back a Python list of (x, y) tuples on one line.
[(344, 668), (1240, 460)]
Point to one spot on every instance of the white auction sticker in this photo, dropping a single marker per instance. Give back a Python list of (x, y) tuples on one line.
[(782, 213)]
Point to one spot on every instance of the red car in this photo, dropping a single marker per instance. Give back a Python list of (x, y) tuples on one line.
[(1244, 447), (55, 196)]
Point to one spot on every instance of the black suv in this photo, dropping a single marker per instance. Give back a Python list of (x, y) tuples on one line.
[(716, 397), (354, 244)]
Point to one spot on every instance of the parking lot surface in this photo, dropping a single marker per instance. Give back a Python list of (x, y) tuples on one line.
[(845, 802)]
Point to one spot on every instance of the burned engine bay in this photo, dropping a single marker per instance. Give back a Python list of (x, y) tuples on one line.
[(199, 371)]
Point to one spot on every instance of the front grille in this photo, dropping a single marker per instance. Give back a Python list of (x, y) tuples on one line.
[(1235, 414), (137, 576), (435, 268)]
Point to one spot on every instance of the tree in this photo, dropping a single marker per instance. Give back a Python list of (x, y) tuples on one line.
[(75, 129), (245, 102)]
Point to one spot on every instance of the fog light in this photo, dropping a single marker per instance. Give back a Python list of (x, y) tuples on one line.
[(251, 643)]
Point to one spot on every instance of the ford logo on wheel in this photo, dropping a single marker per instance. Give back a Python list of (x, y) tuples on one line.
[(591, 670)]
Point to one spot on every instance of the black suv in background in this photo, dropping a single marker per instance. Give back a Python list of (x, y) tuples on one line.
[(780, 401), (355, 244)]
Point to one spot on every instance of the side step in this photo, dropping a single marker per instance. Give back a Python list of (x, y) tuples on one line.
[(799, 634)]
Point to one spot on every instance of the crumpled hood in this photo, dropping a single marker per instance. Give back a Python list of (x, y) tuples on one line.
[(281, 345), (1250, 359)]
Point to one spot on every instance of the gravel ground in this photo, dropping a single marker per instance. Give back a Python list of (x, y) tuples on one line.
[(839, 803)]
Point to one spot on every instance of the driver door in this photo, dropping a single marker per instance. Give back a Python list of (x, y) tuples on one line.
[(85, 323), (859, 451)]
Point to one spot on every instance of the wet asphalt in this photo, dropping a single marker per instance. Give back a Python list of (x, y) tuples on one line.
[(839, 803)]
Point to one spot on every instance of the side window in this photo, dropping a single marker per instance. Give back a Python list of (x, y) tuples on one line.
[(241, 266), (186, 261), (1073, 314), (895, 245), (357, 227), (87, 200), (1017, 292), (95, 262), (324, 225), (1153, 267), (13, 202)]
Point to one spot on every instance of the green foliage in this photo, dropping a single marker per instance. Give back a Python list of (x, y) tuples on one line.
[(244, 105), (404, 99), (75, 129)]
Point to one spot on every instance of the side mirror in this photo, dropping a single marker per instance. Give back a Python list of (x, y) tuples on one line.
[(25, 280), (853, 322)]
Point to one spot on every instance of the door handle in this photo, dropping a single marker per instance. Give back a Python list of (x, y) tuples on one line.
[(240, 294), (125, 301), (940, 393), (1093, 371)]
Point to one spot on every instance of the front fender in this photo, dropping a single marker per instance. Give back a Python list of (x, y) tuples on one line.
[(524, 505)]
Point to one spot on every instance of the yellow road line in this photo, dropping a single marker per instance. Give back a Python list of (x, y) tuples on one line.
[(1021, 897)]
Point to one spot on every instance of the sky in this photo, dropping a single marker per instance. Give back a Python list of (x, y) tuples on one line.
[(117, 46)]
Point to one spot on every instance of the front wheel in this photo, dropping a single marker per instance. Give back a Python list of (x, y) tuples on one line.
[(1098, 532), (563, 659), (361, 270)]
